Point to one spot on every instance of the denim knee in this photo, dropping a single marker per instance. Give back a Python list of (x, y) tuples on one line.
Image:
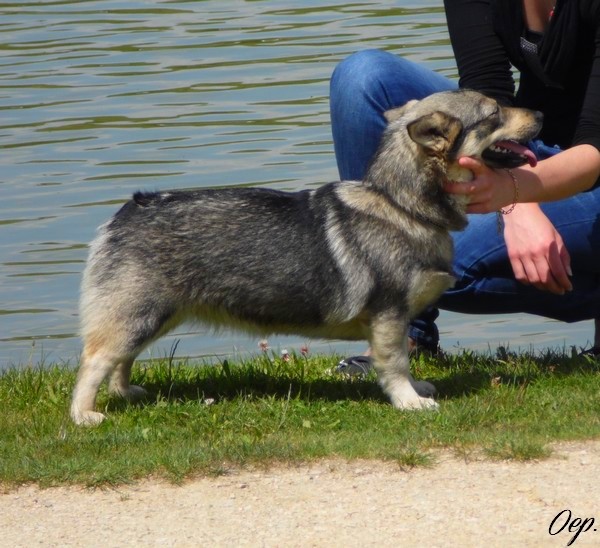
[(360, 72), (382, 79)]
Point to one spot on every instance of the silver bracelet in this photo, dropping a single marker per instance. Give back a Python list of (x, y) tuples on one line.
[(501, 211)]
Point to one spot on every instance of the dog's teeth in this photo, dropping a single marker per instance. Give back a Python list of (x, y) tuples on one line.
[(498, 149)]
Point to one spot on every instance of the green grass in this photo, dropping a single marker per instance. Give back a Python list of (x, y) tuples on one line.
[(204, 420)]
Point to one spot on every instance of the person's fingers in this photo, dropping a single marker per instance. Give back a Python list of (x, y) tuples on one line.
[(546, 272), (559, 264), (454, 187), (472, 164), (545, 277), (519, 270)]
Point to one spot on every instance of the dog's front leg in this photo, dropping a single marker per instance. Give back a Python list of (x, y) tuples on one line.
[(389, 343)]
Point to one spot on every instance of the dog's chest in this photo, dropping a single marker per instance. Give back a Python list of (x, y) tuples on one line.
[(426, 287)]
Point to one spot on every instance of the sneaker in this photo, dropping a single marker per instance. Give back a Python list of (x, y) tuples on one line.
[(356, 365), (361, 365)]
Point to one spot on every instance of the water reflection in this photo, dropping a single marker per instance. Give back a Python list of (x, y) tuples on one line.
[(101, 98)]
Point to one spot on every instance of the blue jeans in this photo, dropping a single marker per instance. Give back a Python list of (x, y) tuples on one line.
[(368, 83)]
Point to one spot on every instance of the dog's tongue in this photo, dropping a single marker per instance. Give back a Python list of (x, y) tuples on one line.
[(517, 148)]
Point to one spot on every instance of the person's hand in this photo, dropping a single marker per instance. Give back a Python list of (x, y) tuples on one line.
[(537, 253), (489, 190)]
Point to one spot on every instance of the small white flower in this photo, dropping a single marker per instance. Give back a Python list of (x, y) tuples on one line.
[(263, 345)]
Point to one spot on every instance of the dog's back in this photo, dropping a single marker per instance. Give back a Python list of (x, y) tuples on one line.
[(255, 258)]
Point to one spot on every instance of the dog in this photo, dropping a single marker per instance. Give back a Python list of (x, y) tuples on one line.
[(353, 260)]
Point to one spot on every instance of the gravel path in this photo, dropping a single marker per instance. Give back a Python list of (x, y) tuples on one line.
[(331, 503)]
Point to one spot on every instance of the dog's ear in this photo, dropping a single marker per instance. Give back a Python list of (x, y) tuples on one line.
[(436, 131), (395, 113)]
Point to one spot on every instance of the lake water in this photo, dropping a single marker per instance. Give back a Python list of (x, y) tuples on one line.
[(102, 98)]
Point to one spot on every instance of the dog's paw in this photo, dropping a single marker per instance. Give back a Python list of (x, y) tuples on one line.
[(409, 394), (424, 389), (132, 393), (87, 418), (417, 404), (429, 403), (412, 401)]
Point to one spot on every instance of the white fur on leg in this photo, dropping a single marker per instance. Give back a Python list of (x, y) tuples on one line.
[(91, 374), (389, 343)]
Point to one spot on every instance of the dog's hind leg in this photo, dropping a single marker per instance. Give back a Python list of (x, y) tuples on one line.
[(115, 331), (95, 367), (389, 342), (118, 383)]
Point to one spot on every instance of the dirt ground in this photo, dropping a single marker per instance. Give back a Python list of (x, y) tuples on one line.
[(330, 503)]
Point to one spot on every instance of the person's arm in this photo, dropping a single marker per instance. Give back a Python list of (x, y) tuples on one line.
[(535, 248), (588, 127), (572, 171), (560, 176), (536, 251), (483, 64)]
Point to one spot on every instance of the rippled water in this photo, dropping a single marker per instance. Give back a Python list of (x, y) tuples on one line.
[(101, 98)]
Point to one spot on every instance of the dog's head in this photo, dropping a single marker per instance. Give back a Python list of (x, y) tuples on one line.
[(459, 123)]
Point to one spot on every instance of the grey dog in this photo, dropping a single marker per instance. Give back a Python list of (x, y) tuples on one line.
[(349, 260)]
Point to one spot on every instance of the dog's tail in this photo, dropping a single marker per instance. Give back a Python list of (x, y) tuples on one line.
[(141, 199), (146, 199)]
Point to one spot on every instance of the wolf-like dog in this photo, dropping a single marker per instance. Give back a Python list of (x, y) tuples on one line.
[(351, 260)]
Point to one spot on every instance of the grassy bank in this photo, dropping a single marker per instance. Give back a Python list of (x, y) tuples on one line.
[(206, 419)]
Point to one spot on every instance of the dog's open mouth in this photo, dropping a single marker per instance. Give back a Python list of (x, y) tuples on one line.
[(507, 154)]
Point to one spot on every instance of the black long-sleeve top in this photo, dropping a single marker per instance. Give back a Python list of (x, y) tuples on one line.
[(565, 84)]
